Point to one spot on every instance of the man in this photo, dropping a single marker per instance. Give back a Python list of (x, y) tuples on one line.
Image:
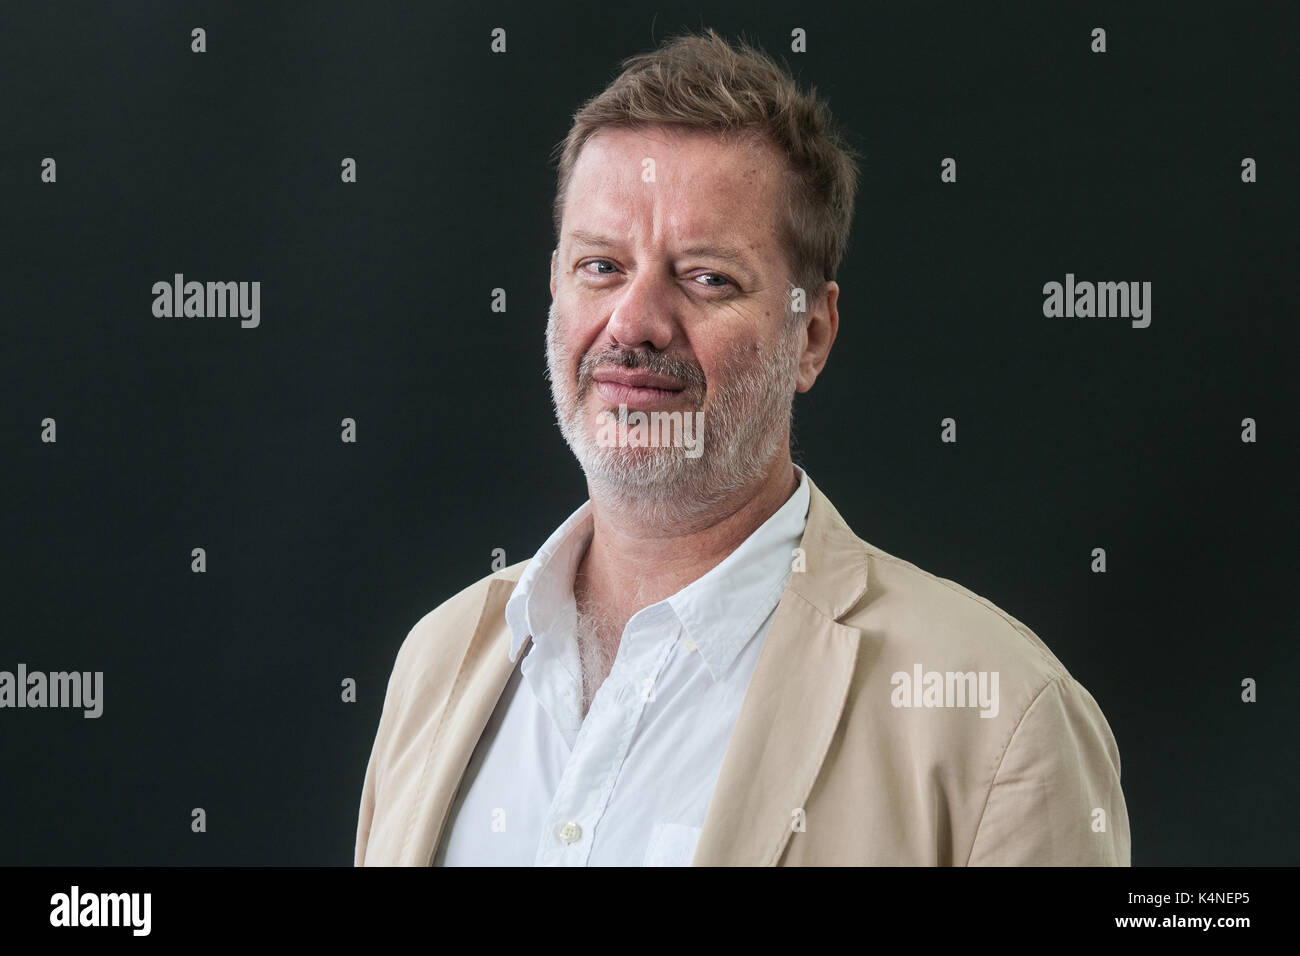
[(704, 664)]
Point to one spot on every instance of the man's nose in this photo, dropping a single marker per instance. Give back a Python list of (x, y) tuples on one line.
[(644, 313)]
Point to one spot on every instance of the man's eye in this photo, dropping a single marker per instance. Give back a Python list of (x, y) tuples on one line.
[(724, 281)]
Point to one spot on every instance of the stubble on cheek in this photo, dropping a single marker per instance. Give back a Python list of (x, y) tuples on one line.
[(562, 361)]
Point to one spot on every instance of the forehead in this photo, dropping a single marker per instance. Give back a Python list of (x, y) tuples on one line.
[(703, 186)]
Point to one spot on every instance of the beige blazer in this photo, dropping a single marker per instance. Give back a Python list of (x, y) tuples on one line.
[(826, 766)]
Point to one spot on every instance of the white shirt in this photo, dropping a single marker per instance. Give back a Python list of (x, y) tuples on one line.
[(629, 785)]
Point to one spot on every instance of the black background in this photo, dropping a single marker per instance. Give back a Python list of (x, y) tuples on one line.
[(222, 690)]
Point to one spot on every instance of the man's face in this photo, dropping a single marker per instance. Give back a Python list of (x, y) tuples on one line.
[(670, 294)]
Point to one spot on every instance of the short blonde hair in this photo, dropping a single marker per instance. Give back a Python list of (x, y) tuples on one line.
[(702, 82)]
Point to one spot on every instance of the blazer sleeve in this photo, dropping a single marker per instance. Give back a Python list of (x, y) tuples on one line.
[(1056, 798), (378, 756)]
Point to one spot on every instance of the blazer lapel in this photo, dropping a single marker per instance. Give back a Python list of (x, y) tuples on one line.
[(793, 703), (475, 690)]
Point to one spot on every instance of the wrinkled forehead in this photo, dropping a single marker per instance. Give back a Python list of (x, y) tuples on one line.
[(655, 181)]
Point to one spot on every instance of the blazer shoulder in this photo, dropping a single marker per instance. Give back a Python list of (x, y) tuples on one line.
[(936, 616)]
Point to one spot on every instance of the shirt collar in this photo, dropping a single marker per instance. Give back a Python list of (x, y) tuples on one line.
[(720, 611), (545, 590)]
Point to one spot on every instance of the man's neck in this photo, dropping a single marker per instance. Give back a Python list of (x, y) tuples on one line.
[(629, 565)]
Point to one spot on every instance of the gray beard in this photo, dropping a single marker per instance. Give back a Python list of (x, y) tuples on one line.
[(743, 430)]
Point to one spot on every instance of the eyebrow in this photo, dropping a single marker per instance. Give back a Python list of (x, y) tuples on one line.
[(725, 253)]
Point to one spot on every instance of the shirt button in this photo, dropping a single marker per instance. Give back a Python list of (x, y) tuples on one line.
[(689, 646), (570, 832)]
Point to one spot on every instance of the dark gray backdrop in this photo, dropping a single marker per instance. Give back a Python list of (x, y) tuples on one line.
[(222, 689)]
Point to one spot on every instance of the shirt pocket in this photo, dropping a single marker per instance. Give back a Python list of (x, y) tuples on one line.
[(671, 844)]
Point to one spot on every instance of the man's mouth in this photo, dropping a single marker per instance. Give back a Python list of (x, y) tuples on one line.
[(636, 388)]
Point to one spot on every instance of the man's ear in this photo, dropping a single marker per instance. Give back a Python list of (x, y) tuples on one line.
[(554, 253), (823, 325)]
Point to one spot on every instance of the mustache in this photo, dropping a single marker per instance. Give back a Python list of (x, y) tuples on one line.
[(690, 375)]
